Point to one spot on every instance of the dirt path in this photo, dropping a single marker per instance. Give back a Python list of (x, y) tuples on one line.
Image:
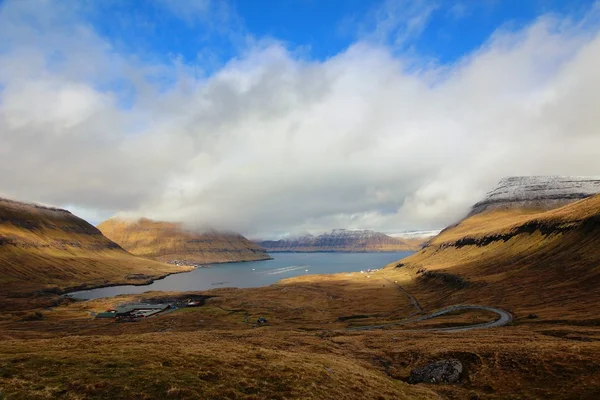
[(412, 298)]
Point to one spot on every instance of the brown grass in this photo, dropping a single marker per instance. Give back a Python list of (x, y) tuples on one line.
[(211, 352), (552, 271)]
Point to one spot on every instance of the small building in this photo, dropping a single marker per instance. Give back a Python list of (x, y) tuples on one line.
[(140, 310), (107, 314)]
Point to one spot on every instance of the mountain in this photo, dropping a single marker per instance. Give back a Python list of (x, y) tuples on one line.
[(171, 242), (538, 192), (45, 249), (342, 240), (545, 263)]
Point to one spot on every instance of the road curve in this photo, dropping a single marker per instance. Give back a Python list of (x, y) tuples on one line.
[(504, 318)]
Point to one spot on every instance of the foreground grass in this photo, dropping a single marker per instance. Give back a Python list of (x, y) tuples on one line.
[(211, 352), (187, 366)]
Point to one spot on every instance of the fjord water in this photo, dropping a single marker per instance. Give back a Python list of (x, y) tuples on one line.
[(255, 273)]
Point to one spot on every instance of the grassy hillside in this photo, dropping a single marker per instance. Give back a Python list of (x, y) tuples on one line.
[(166, 241), (49, 249), (541, 262)]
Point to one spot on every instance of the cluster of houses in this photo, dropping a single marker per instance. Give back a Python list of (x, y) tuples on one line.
[(369, 271), (188, 263), (135, 311)]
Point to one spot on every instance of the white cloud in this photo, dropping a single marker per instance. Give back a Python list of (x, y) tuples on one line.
[(397, 21), (272, 143)]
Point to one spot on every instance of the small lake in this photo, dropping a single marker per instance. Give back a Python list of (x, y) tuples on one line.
[(255, 273)]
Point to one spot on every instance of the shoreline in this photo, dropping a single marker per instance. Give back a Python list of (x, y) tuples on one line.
[(283, 280), (207, 265), (68, 292), (342, 251)]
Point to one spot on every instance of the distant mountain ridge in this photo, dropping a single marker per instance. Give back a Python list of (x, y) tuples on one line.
[(172, 242), (537, 192), (342, 240)]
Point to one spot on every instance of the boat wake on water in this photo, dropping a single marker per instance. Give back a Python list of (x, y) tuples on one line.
[(285, 269)]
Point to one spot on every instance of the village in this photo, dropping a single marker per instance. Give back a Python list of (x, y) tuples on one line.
[(132, 312)]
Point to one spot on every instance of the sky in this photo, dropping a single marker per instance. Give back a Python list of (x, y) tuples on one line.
[(282, 117)]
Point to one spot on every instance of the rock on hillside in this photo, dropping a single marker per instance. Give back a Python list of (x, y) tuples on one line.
[(538, 192), (172, 242), (443, 371), (342, 240), (46, 249)]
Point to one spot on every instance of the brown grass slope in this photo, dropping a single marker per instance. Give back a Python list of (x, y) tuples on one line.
[(167, 241), (50, 249), (546, 263), (216, 351), (190, 366)]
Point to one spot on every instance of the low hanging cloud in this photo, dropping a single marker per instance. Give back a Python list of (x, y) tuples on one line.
[(273, 143)]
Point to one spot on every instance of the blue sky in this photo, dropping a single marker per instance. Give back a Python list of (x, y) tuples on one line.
[(293, 116), (212, 32)]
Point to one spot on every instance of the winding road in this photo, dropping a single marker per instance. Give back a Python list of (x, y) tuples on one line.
[(504, 317)]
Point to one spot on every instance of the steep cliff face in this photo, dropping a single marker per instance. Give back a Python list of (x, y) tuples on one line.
[(50, 249), (171, 242), (537, 192), (342, 240)]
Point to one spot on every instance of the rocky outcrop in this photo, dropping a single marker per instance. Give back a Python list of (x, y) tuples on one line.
[(342, 240), (443, 371), (172, 242), (537, 192), (449, 280)]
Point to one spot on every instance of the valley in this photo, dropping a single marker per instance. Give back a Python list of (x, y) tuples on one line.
[(299, 200), (509, 293)]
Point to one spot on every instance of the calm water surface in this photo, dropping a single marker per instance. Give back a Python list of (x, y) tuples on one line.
[(255, 273)]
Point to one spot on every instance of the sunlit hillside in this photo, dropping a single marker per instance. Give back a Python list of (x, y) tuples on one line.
[(546, 263), (166, 241), (50, 250)]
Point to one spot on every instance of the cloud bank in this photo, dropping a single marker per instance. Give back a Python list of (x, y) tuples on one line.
[(273, 143)]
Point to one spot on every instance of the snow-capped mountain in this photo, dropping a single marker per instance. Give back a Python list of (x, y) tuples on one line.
[(544, 192)]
